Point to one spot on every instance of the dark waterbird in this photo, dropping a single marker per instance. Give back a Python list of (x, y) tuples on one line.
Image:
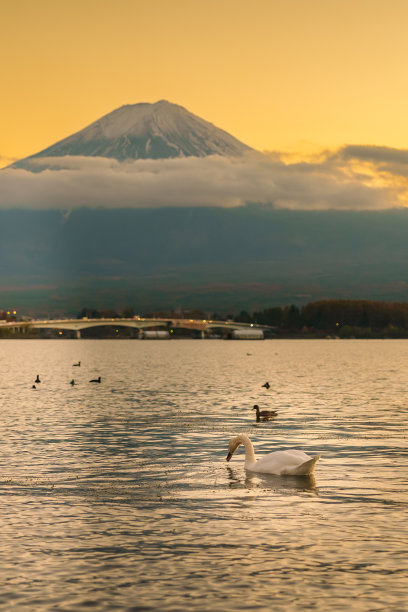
[(264, 415), (72, 382), (96, 380), (37, 380), (77, 364), (266, 385)]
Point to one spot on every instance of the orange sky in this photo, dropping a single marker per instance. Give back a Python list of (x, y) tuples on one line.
[(294, 75)]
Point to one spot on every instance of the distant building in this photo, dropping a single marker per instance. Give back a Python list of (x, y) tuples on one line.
[(248, 334), (156, 335)]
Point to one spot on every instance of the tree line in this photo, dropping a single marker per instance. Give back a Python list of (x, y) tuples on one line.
[(340, 318), (335, 318)]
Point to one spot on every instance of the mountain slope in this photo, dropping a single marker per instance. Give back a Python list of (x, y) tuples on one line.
[(145, 131), (215, 259)]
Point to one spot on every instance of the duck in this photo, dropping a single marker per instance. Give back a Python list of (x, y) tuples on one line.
[(264, 414), (77, 364), (280, 463), (37, 380), (96, 380), (266, 385), (72, 382)]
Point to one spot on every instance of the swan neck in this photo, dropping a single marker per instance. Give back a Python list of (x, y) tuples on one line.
[(249, 450)]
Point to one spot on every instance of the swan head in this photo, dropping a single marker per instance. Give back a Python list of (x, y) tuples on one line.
[(256, 407), (234, 443)]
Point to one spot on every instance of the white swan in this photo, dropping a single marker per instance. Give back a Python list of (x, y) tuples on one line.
[(289, 462)]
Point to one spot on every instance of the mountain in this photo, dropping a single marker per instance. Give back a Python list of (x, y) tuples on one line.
[(58, 260), (145, 131)]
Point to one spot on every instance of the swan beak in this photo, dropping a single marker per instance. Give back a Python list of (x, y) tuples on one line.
[(229, 456)]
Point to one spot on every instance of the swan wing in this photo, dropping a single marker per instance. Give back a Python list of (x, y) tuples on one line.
[(297, 455), (284, 462), (304, 469)]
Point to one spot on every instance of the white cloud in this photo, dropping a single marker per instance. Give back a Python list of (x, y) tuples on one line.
[(340, 181)]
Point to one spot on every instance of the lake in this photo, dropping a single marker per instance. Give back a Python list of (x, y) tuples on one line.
[(117, 496)]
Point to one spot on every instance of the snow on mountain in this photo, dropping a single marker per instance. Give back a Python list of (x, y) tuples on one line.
[(144, 131)]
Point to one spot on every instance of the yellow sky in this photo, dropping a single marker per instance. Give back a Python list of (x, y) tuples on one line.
[(277, 74)]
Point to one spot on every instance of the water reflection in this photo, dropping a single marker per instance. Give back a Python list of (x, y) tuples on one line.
[(269, 481)]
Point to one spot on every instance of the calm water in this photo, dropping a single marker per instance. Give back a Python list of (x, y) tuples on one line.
[(117, 496)]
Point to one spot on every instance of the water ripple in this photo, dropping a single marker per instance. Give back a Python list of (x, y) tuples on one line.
[(118, 496)]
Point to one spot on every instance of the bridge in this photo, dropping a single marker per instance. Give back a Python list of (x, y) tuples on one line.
[(203, 326)]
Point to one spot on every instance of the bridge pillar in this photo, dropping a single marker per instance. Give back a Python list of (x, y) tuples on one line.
[(78, 334), (202, 334)]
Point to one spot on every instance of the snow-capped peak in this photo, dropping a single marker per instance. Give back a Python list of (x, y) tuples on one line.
[(159, 130)]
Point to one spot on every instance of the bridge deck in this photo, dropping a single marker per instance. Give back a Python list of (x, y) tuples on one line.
[(136, 322)]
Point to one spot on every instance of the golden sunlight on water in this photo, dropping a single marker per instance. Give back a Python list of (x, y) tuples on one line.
[(118, 496)]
